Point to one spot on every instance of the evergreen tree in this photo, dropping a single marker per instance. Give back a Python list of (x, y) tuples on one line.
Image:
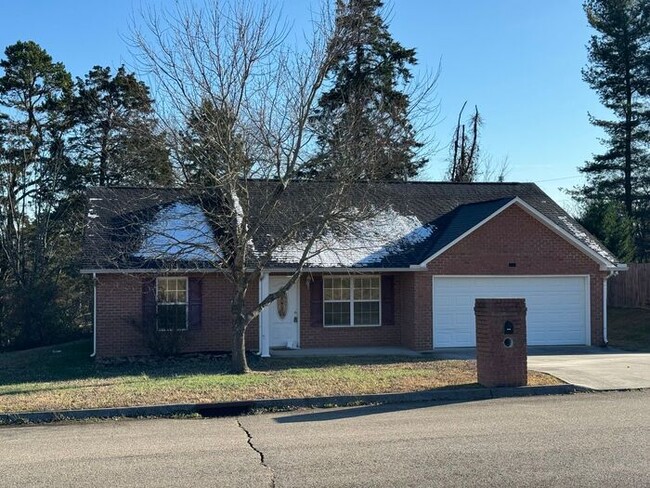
[(117, 135), (35, 93), (364, 116), (211, 147), (609, 223), (619, 70)]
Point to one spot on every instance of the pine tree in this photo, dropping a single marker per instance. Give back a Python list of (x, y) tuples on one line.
[(117, 136), (619, 70), (608, 222), (211, 146), (35, 94), (364, 116)]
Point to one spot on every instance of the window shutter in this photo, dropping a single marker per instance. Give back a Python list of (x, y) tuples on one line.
[(194, 299), (387, 300), (316, 302), (149, 302)]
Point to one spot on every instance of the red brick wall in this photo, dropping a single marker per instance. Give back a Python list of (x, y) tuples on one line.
[(513, 236), (119, 311), (496, 364), (417, 328), (311, 336)]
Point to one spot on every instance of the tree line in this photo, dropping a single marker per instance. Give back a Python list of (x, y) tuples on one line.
[(346, 99), (59, 135), (346, 108)]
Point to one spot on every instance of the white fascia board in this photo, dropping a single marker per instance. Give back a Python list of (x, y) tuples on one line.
[(604, 263), (266, 270), (150, 271), (342, 270)]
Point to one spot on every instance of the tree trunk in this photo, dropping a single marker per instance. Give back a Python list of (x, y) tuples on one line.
[(103, 160), (627, 170), (239, 362)]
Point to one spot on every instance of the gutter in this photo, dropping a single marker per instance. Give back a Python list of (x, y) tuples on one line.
[(94, 315), (351, 270)]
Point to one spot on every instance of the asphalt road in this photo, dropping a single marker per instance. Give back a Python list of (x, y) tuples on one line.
[(600, 439)]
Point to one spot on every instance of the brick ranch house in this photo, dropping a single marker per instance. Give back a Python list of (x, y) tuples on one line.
[(436, 248)]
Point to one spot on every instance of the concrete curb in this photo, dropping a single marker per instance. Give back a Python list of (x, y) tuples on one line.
[(227, 409)]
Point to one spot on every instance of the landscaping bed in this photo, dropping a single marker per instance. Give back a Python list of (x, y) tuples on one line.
[(65, 377)]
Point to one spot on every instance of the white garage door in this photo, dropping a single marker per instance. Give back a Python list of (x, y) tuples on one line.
[(557, 308)]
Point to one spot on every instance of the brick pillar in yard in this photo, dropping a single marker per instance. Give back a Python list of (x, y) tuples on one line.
[(501, 352)]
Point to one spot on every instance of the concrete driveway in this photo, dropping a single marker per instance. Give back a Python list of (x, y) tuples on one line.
[(597, 368)]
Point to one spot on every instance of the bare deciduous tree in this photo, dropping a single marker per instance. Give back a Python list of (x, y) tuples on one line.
[(236, 97), (465, 149), (468, 163)]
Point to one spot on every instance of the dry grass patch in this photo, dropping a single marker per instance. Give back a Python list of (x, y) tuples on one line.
[(46, 380)]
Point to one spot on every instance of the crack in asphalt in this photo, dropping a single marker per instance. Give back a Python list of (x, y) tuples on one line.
[(249, 440)]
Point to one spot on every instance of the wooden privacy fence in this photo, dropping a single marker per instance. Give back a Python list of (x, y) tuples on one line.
[(630, 288)]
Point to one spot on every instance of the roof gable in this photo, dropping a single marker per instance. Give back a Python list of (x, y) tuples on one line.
[(469, 220)]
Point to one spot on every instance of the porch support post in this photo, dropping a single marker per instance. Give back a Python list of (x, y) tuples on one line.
[(264, 317)]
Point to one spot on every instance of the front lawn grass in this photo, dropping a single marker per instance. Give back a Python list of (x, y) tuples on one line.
[(629, 328), (65, 377)]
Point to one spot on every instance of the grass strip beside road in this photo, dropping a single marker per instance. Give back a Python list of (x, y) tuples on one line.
[(65, 377)]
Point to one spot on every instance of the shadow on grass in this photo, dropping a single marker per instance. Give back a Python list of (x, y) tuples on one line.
[(284, 363), (629, 329), (72, 361)]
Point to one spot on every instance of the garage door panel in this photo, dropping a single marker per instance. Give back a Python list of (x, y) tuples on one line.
[(556, 306)]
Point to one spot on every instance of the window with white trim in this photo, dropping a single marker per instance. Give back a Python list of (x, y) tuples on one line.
[(351, 301), (171, 303)]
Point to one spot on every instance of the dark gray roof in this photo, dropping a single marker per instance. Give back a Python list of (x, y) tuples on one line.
[(444, 210)]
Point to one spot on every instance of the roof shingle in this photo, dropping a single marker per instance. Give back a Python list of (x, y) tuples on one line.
[(445, 211)]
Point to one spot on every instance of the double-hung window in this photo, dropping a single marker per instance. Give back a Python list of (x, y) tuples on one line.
[(351, 301), (171, 303)]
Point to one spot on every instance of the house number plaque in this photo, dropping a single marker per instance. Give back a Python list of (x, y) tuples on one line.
[(281, 303)]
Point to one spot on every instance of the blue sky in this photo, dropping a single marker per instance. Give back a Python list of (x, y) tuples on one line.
[(518, 60)]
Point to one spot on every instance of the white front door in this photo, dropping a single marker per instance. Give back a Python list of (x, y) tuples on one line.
[(284, 323)]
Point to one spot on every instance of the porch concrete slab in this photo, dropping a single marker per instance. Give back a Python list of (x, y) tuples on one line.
[(343, 351)]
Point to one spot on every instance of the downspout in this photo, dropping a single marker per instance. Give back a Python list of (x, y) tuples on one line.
[(94, 315)]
